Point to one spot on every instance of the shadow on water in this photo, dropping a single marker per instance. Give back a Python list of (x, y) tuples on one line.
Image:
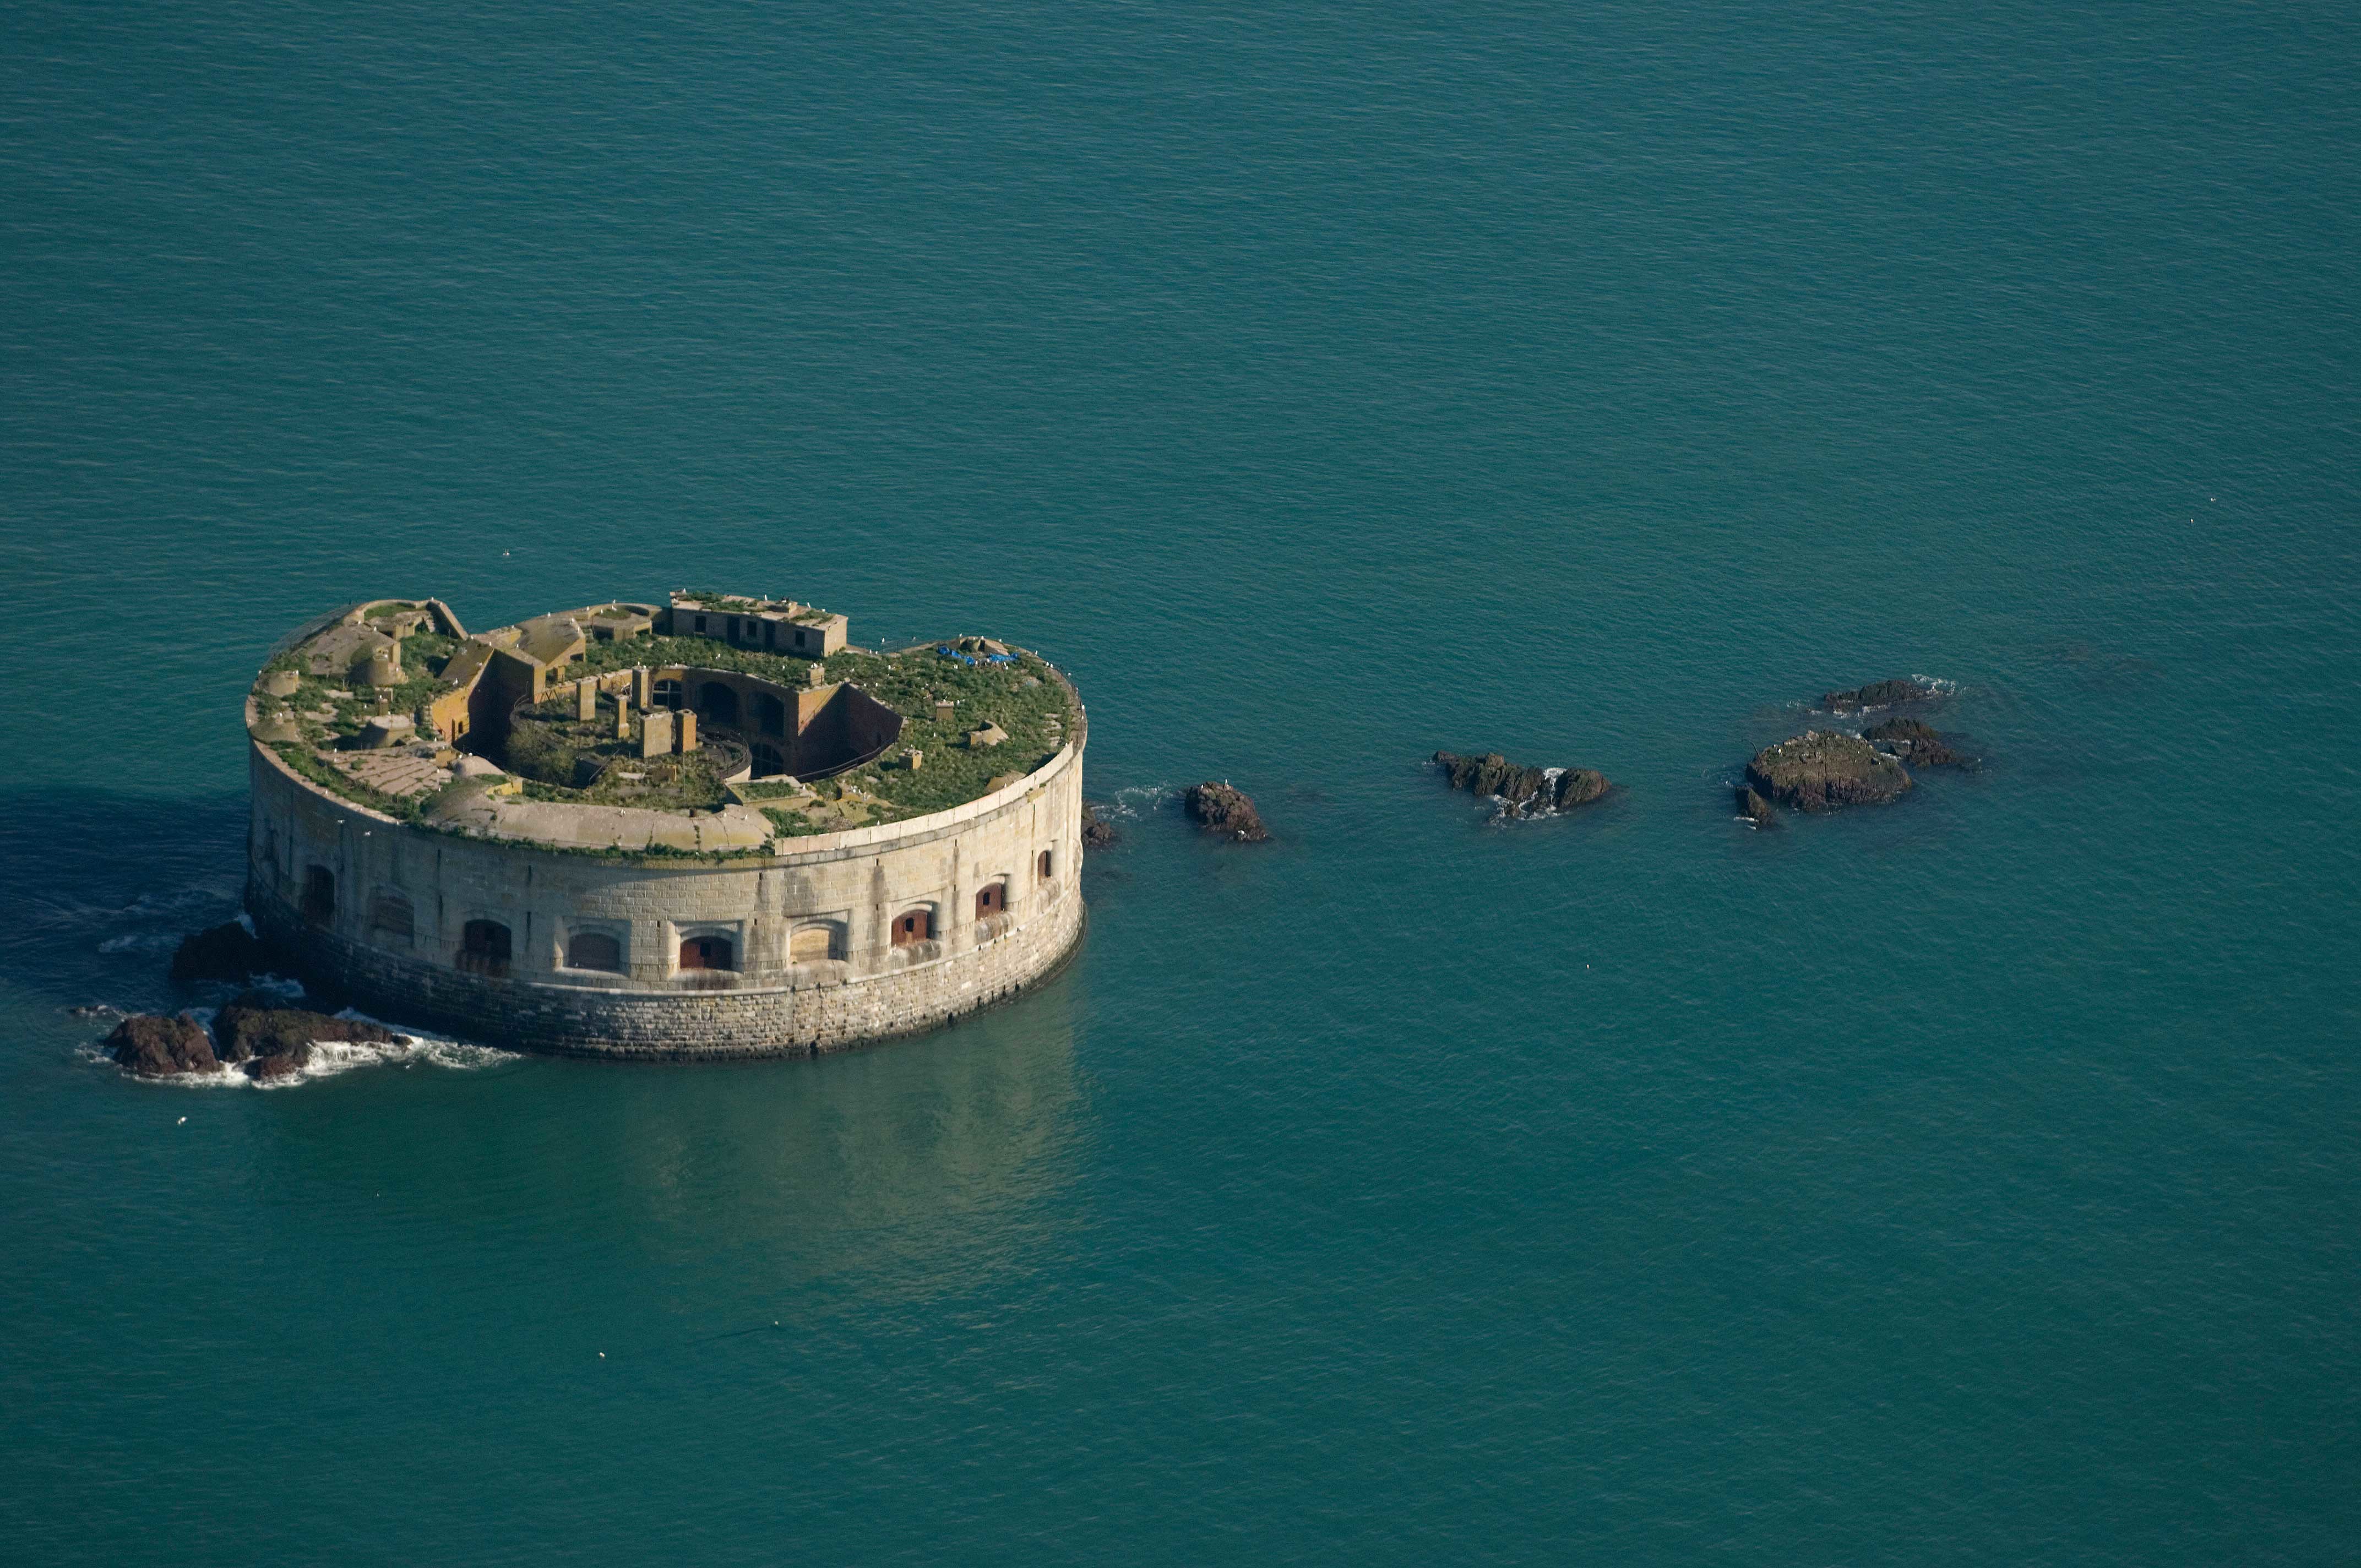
[(904, 1169), (102, 886)]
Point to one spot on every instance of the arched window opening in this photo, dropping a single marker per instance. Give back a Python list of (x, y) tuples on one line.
[(717, 703), (319, 895), (391, 920), (484, 948), (1043, 864), (706, 952), (991, 899), (667, 694), (769, 714), (769, 761), (595, 949), (811, 944), (913, 926)]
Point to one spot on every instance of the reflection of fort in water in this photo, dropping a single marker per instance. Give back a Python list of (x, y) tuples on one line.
[(921, 1168)]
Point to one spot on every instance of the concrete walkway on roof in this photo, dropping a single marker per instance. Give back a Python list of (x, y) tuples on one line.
[(628, 828)]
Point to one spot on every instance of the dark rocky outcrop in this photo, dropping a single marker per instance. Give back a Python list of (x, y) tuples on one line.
[(255, 1027), (1525, 791), (1227, 811), (1916, 744), (1756, 809), (1877, 694), (288, 1063), (226, 951), (155, 1046), (1821, 771), (1097, 832)]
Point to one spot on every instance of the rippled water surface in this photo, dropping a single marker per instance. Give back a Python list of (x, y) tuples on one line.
[(1972, 1180)]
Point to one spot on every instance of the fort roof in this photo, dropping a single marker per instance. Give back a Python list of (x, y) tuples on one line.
[(710, 720)]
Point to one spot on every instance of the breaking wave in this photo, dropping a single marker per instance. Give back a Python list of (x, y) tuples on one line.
[(331, 1058), (1135, 801)]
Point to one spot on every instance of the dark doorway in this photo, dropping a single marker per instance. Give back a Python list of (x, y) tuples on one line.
[(1044, 864), (706, 952), (769, 762), (769, 714), (717, 703), (319, 895), (484, 948), (594, 950)]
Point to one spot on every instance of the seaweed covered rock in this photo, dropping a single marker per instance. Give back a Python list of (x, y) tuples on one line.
[(156, 1046), (1877, 694), (1524, 791), (226, 951), (1756, 809), (1821, 771), (1227, 811), (1097, 832), (1916, 744), (255, 1027)]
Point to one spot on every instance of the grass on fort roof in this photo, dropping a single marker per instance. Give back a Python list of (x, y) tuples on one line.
[(908, 683)]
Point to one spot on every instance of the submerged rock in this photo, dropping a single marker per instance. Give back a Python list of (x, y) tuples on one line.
[(1230, 812), (1526, 792), (1097, 833), (1877, 694), (1916, 744), (255, 1028), (1821, 771), (226, 951), (155, 1046), (1756, 809)]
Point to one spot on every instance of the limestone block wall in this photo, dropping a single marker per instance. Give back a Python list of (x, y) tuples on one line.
[(380, 909)]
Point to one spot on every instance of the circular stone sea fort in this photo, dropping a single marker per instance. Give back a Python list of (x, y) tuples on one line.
[(705, 827)]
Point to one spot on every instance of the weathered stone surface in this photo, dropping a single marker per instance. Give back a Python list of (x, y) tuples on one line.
[(1526, 792), (865, 877), (1097, 832), (1756, 809), (1916, 744), (156, 1047), (1580, 786), (256, 1024), (288, 1063), (1877, 694), (226, 951), (1227, 811), (1821, 771)]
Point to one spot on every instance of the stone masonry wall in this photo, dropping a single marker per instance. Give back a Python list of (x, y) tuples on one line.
[(403, 895)]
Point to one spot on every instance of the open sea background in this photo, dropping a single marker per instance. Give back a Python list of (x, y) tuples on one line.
[(1969, 1181)]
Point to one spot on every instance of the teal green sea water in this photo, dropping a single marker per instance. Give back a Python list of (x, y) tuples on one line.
[(1969, 1181)]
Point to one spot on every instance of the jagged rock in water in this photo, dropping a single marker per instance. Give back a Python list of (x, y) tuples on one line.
[(1877, 694), (288, 1063), (1916, 744), (226, 951), (1230, 812), (1097, 833), (1820, 771), (256, 1025), (1756, 809), (156, 1046), (1526, 792)]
